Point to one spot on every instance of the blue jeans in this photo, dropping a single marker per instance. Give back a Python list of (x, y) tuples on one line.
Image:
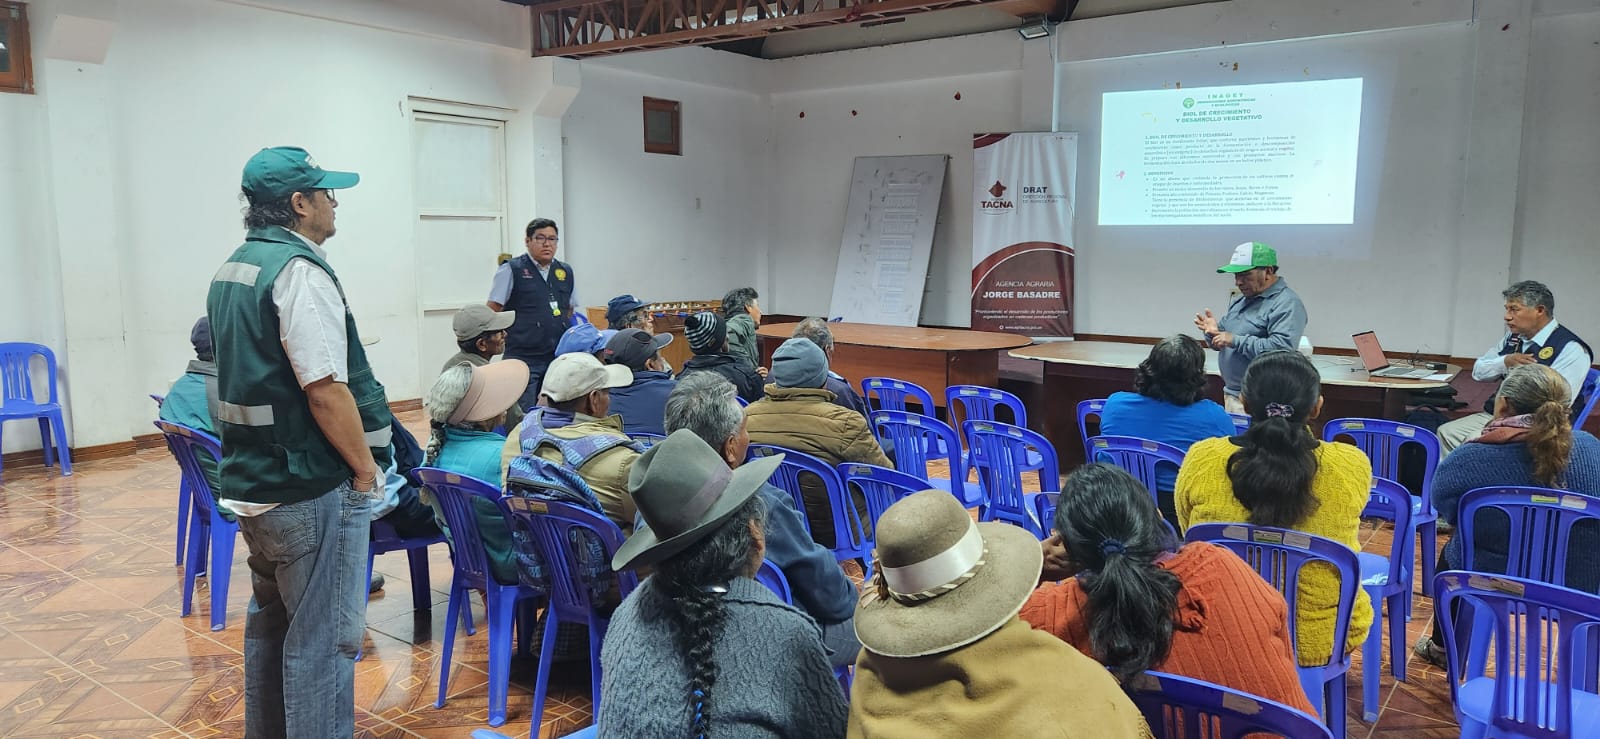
[(308, 567)]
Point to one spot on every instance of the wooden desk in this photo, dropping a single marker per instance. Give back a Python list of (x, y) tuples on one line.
[(1075, 371), (934, 358)]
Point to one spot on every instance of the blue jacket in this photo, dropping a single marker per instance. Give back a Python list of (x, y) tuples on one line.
[(1132, 414), (643, 403)]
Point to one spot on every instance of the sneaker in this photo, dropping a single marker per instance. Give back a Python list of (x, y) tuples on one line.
[(1443, 528), (1429, 652), (377, 583)]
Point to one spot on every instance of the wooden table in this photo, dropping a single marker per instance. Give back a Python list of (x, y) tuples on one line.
[(934, 358), (1075, 371)]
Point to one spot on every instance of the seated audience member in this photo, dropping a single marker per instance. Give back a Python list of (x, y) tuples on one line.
[(401, 506), (480, 333), (585, 338), (700, 649), (708, 339), (626, 311), (1533, 336), (641, 402), (1279, 474), (1135, 600), (191, 397), (844, 394), (575, 403), (1530, 442), (464, 406), (705, 404), (943, 652), (1168, 405), (743, 314), (798, 414)]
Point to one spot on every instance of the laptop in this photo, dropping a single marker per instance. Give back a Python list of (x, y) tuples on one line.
[(1378, 365)]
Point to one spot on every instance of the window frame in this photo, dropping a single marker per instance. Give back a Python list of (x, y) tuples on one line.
[(661, 105), (20, 78)]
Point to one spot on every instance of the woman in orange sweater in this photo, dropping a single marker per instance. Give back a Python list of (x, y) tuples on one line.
[(1140, 603)]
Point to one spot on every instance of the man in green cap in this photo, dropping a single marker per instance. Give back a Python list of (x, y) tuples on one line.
[(305, 432), (1266, 316)]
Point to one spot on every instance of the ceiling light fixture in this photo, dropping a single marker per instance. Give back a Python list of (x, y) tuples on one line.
[(1033, 26)]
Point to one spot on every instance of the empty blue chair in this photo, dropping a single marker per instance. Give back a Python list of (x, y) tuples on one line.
[(17, 399), (889, 394), (1544, 639), (849, 537), (1280, 556), (1000, 454), (454, 494), (1179, 707), (880, 486), (1382, 441), (1589, 394), (1140, 457), (979, 403), (917, 439), (209, 532), (1088, 409), (1387, 581), (1241, 423), (561, 532)]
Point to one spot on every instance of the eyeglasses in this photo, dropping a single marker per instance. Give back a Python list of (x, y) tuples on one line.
[(546, 239)]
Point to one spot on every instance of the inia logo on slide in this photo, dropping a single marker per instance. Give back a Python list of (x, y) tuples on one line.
[(997, 203)]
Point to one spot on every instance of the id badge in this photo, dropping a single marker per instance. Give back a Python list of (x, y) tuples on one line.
[(555, 308)]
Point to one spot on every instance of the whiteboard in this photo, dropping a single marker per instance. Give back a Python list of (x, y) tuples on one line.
[(888, 236)]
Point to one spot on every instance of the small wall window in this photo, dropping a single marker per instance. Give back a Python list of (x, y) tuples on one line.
[(16, 68), (663, 127)]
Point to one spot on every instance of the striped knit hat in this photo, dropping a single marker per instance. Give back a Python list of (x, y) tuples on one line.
[(706, 332)]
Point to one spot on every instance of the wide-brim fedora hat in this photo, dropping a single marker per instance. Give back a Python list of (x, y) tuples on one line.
[(684, 490), (943, 581)]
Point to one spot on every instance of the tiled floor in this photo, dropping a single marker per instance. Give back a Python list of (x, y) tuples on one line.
[(91, 643)]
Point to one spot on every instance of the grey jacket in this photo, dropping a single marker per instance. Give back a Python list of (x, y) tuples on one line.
[(772, 680), (1275, 319)]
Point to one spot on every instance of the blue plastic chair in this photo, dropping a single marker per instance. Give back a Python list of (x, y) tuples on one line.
[(1279, 556), (209, 532), (742, 402), (916, 439), (979, 403), (889, 394), (1382, 442), (880, 486), (1089, 409), (1179, 707), (849, 537), (774, 579), (999, 454), (17, 399), (1140, 457), (1387, 581), (647, 439), (1590, 394), (557, 529), (385, 539), (454, 494), (1544, 644), (1044, 509), (1241, 423)]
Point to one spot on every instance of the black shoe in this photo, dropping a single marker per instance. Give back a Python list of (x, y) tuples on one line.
[(1429, 652), (377, 583)]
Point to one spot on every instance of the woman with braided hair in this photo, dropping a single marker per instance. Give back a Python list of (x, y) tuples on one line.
[(700, 649)]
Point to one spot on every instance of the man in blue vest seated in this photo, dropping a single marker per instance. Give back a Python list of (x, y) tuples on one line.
[(541, 289), (305, 433), (1532, 336)]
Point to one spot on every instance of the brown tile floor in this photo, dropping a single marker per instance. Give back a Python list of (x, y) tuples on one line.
[(91, 643)]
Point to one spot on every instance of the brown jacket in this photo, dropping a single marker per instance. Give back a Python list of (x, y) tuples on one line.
[(1014, 682), (807, 420), (607, 473)]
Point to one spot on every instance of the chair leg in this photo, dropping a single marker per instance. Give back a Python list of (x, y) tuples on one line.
[(183, 521), (458, 594), (223, 537), (502, 614), (547, 655), (193, 561), (1372, 662), (1335, 715), (1429, 539), (421, 597), (1398, 611), (63, 454), (44, 440)]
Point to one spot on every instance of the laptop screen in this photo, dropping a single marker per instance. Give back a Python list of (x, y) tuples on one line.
[(1371, 353)]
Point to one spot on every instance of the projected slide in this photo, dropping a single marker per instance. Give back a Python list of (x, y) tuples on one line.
[(1282, 153)]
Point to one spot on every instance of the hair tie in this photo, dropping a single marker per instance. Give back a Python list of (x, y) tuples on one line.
[(1111, 546), (1280, 410)]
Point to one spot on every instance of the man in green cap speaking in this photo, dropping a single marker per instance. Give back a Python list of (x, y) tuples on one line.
[(305, 431), (1266, 316)]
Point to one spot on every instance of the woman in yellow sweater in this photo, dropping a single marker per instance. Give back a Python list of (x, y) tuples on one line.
[(1279, 474)]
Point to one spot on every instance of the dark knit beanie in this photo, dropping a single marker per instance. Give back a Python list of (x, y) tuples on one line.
[(706, 332)]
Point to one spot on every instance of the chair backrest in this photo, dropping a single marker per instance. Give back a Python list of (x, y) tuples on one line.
[(880, 486), (786, 480), (1179, 707), (1086, 410), (561, 531), (1587, 396), (1140, 457), (16, 371), (742, 402), (1382, 441), (159, 399), (849, 537), (1241, 423), (772, 577), (1544, 641), (1044, 509), (1540, 522), (999, 452), (646, 438), (455, 492), (1390, 501), (916, 439), (979, 403), (889, 394), (186, 444), (1280, 557)]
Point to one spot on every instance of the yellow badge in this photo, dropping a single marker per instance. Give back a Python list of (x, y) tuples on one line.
[(1546, 353), (561, 274)]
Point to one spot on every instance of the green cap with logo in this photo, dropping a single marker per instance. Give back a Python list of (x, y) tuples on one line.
[(278, 172), (1248, 256)]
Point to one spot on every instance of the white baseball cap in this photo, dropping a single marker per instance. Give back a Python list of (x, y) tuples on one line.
[(577, 374)]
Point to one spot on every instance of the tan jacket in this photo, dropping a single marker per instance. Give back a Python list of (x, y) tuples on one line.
[(606, 473), (807, 420)]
